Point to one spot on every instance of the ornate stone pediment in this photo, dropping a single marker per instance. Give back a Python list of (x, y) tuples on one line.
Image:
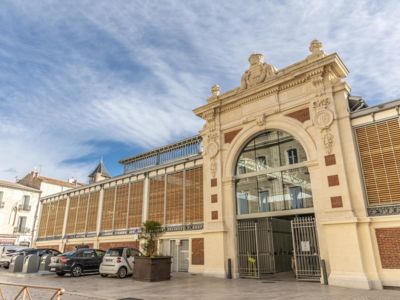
[(258, 72)]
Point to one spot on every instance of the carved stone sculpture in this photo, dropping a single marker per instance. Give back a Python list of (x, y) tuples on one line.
[(258, 72)]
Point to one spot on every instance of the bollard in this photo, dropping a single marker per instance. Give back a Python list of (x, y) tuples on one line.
[(229, 276), (324, 273)]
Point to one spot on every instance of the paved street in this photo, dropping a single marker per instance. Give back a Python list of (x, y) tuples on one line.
[(186, 286)]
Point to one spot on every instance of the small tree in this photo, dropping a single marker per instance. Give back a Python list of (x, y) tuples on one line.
[(150, 230)]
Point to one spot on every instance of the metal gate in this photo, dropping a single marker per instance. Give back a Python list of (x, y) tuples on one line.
[(255, 248), (179, 250), (306, 249)]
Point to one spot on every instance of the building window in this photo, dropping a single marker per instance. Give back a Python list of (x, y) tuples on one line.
[(26, 203), (292, 156), (1, 199), (266, 181), (21, 225)]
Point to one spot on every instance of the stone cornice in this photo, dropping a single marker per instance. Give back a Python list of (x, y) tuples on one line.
[(285, 78)]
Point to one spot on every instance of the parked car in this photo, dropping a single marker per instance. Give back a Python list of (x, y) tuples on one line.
[(119, 261), (5, 260), (77, 262)]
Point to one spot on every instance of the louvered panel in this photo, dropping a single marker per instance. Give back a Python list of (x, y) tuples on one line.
[(194, 195), (58, 227), (108, 209), (82, 210), (52, 218), (43, 220), (379, 147), (93, 209), (135, 205), (174, 204), (121, 206), (156, 199), (73, 207)]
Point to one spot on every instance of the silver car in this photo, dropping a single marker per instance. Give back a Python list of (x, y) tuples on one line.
[(119, 261)]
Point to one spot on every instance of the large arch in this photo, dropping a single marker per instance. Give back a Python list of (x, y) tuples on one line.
[(283, 123)]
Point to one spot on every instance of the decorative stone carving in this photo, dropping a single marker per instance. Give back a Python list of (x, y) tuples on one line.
[(384, 210), (258, 72), (261, 120), (323, 119), (212, 149), (215, 92), (316, 50), (327, 139)]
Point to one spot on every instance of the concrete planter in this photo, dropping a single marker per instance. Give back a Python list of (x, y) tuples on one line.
[(152, 268)]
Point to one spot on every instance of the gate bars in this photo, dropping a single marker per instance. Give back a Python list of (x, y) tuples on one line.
[(306, 249), (257, 256)]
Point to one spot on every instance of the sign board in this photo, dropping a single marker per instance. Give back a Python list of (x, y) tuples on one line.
[(305, 246)]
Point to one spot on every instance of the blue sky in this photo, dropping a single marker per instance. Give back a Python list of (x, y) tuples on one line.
[(81, 80)]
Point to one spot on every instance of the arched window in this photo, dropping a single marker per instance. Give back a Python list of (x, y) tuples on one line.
[(271, 175)]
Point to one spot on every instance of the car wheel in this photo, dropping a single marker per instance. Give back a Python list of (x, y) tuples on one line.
[(103, 275), (122, 272), (6, 266), (76, 271), (60, 273)]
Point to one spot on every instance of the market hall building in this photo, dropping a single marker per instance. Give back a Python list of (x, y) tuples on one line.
[(288, 164)]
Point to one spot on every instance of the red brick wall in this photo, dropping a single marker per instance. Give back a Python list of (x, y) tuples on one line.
[(131, 244), (70, 247), (229, 136), (301, 115), (389, 247), (198, 251), (55, 247)]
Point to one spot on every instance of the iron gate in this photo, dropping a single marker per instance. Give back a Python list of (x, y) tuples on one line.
[(306, 249), (255, 248)]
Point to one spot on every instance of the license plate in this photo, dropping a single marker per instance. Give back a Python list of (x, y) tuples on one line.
[(53, 269)]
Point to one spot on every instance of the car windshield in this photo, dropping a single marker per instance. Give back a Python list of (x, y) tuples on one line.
[(115, 252)]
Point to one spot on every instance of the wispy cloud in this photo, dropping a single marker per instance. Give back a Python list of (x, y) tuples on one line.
[(131, 71)]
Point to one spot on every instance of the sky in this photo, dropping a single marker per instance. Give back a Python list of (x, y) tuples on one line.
[(82, 80)]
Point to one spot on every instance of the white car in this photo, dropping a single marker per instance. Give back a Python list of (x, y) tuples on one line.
[(119, 261)]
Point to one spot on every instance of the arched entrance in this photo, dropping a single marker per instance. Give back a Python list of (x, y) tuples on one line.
[(273, 202)]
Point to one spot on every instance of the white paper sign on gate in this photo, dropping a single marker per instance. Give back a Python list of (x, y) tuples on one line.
[(305, 246)]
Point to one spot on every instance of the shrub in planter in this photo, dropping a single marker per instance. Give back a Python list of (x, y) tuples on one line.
[(151, 267)]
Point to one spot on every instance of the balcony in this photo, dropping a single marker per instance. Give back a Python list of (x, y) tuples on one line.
[(22, 207), (24, 230)]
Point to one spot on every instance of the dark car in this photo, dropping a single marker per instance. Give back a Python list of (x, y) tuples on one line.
[(77, 262), (5, 260)]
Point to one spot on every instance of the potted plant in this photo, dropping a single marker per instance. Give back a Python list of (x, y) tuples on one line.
[(151, 267)]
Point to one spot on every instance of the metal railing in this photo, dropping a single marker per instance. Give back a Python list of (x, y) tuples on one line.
[(163, 155), (24, 291), (23, 207)]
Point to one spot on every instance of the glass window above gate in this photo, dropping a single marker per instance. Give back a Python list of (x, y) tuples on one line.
[(271, 175)]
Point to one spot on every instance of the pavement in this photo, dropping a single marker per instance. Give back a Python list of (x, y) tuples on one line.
[(186, 286)]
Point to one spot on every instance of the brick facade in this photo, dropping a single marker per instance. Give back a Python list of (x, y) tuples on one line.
[(198, 251), (229, 136), (389, 247), (301, 115), (330, 160), (333, 180), (131, 244), (336, 202)]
